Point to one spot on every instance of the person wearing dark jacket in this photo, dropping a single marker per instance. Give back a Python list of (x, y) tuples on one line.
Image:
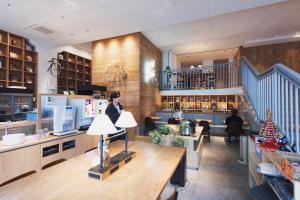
[(114, 108), (113, 111), (233, 118)]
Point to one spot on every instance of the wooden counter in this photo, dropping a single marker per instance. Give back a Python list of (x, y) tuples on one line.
[(142, 178), (28, 143), (17, 124), (34, 155)]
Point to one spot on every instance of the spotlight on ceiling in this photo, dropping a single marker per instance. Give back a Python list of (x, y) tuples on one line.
[(192, 66), (200, 66)]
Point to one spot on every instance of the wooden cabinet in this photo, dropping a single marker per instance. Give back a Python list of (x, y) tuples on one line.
[(18, 62), (66, 148), (87, 142), (18, 162), (75, 71)]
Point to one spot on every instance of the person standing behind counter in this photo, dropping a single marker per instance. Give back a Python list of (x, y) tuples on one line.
[(178, 114), (113, 111)]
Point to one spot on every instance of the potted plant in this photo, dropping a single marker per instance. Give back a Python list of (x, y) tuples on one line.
[(185, 128), (179, 141), (156, 137), (166, 134)]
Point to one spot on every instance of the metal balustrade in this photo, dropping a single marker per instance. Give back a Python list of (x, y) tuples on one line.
[(211, 77), (277, 89)]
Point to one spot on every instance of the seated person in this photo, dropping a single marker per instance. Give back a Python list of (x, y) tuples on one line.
[(178, 114), (233, 118)]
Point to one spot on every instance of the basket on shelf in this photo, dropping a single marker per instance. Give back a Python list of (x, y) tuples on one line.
[(291, 164)]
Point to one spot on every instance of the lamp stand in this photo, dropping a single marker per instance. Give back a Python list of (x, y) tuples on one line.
[(126, 142), (101, 152), (116, 162)]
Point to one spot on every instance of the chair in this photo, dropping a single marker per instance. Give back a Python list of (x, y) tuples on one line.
[(206, 128), (149, 125), (234, 130), (173, 121)]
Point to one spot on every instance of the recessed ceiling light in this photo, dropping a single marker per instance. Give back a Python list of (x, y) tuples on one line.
[(192, 66), (200, 66)]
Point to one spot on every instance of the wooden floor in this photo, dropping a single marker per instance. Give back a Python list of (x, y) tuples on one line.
[(220, 177)]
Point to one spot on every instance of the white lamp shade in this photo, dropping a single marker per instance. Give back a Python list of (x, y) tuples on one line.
[(126, 120), (101, 125)]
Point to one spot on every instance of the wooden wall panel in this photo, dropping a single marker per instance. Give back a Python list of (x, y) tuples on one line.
[(131, 51), (149, 91), (263, 57), (124, 51)]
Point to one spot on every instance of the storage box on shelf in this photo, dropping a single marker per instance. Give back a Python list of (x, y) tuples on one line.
[(18, 62), (76, 71), (200, 102)]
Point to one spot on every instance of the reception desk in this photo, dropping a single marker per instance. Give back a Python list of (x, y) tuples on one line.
[(144, 177)]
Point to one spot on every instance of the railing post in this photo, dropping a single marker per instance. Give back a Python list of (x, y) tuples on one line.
[(287, 109), (283, 103), (297, 119), (291, 113), (279, 100), (275, 97)]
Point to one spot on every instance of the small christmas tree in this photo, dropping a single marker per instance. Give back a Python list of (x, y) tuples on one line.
[(268, 130)]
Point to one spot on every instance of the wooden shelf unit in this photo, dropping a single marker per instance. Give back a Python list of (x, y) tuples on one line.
[(76, 71), (17, 57), (200, 102)]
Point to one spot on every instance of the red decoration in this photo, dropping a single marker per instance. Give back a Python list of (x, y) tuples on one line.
[(269, 131)]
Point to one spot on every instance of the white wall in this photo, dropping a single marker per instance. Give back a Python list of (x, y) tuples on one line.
[(45, 79), (206, 63), (172, 59)]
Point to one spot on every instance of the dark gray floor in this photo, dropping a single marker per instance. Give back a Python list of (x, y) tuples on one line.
[(219, 177)]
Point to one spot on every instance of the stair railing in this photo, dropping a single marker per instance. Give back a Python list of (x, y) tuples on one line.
[(276, 89)]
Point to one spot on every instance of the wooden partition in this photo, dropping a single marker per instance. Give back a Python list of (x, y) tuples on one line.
[(132, 54)]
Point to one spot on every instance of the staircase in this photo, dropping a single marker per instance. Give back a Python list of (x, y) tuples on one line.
[(277, 89)]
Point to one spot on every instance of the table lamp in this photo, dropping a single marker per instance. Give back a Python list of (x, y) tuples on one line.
[(101, 125), (126, 120)]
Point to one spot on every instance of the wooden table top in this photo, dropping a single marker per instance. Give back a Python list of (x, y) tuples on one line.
[(144, 177)]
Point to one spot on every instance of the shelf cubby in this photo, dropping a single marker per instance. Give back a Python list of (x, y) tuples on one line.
[(200, 102), (18, 60), (75, 71)]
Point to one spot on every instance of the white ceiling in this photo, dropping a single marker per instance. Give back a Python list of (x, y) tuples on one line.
[(182, 25), (273, 23)]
